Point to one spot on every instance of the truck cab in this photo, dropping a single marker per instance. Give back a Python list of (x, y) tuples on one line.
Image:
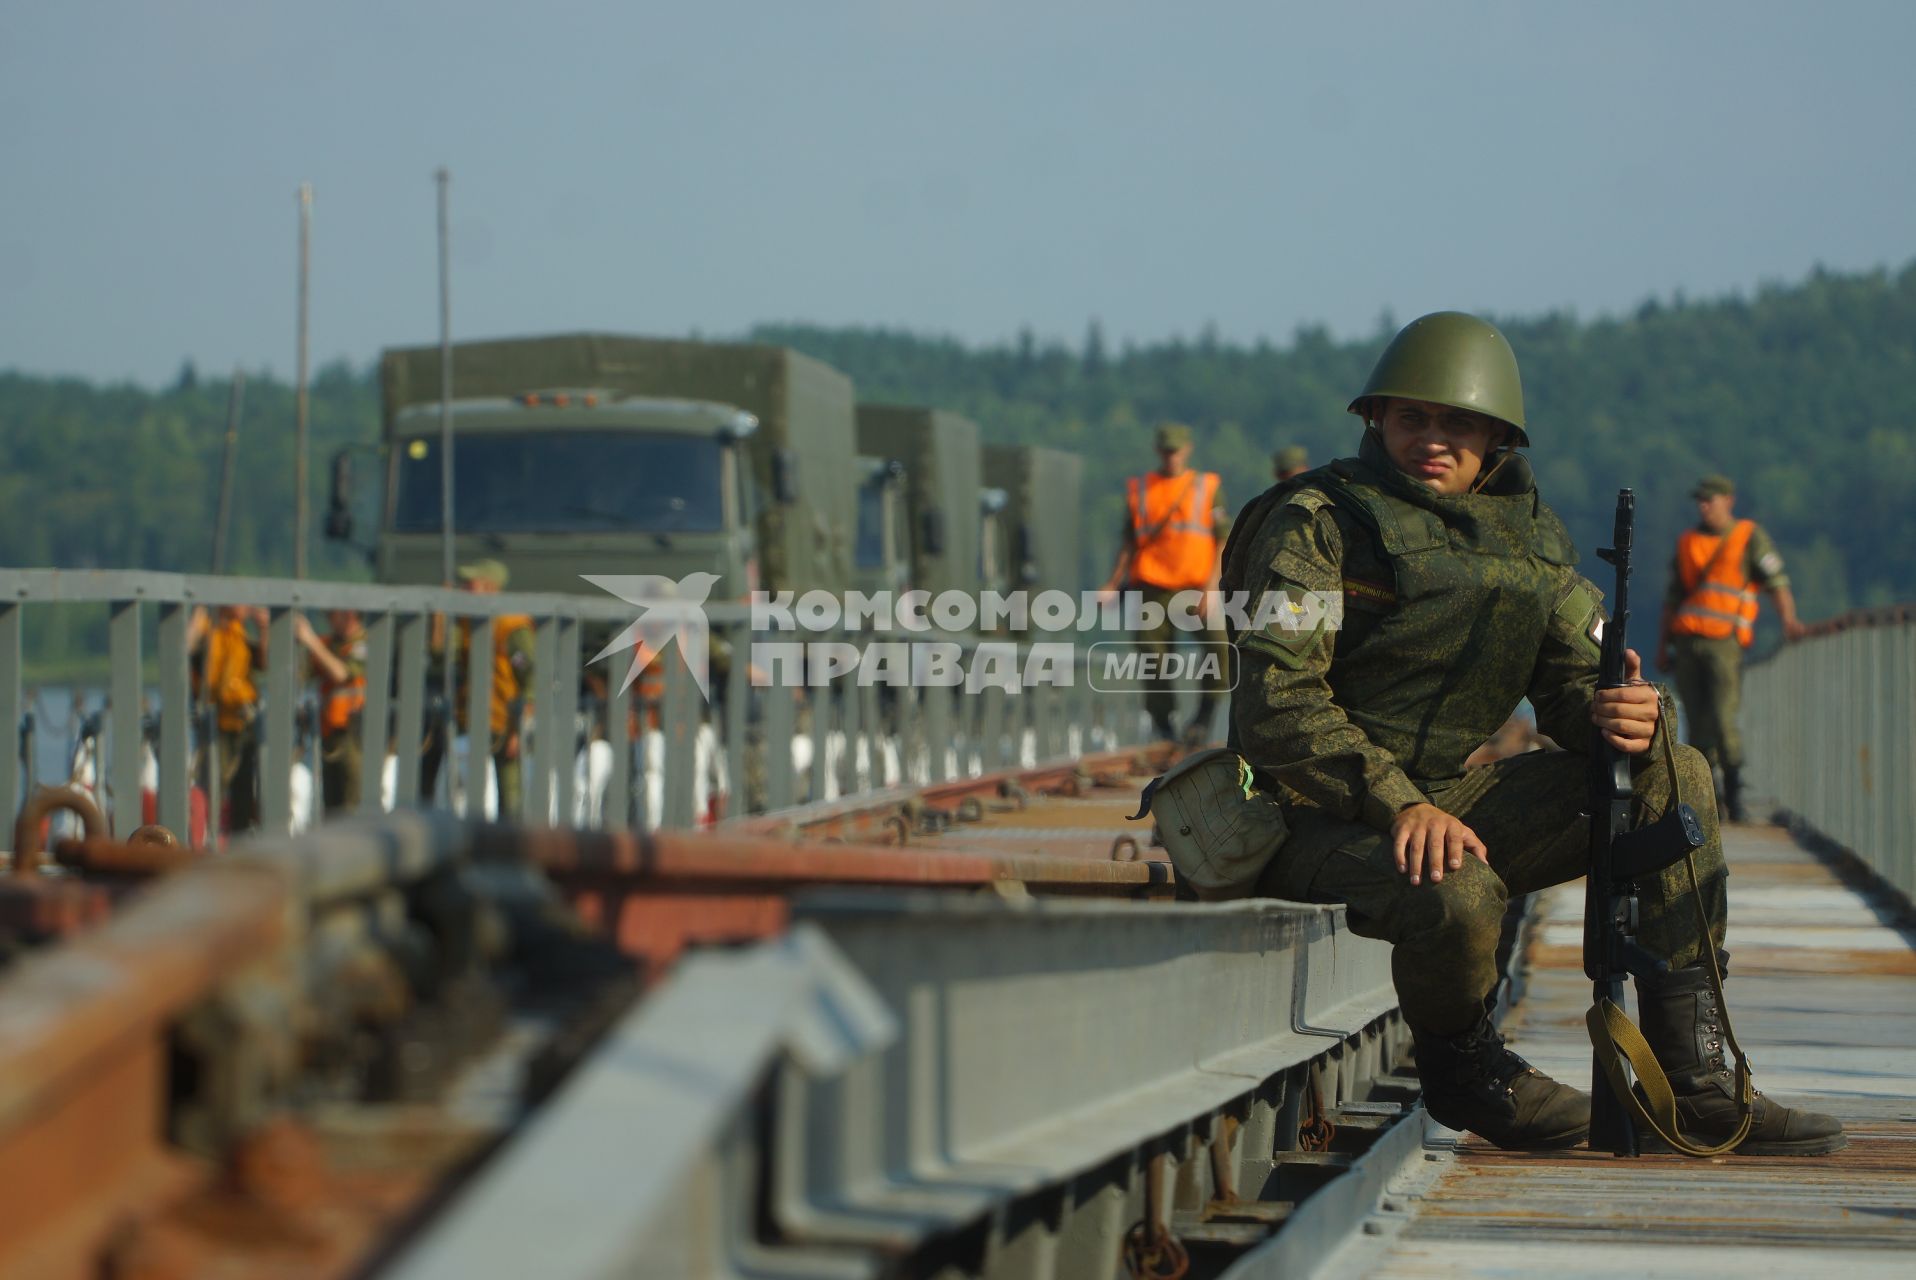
[(595, 453), (568, 481)]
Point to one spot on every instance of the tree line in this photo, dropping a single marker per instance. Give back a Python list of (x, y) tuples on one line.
[(1805, 393)]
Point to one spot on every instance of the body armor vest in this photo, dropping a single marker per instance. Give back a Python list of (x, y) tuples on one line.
[(1434, 672)]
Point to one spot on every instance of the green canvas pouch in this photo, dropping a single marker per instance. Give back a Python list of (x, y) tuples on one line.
[(1218, 827)]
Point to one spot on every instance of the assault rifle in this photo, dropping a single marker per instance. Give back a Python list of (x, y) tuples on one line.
[(1619, 857)]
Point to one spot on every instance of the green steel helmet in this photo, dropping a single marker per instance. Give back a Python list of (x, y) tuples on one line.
[(1448, 357)]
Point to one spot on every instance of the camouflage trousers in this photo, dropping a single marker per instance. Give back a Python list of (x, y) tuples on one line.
[(1528, 811), (506, 773), (1160, 702), (339, 758), (239, 777), (1709, 675)]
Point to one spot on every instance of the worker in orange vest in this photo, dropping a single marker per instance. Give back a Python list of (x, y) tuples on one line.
[(230, 658), (1709, 619), (1170, 545), (339, 663)]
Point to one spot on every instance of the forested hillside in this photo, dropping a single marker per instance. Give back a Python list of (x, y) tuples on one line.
[(1805, 393), (121, 477)]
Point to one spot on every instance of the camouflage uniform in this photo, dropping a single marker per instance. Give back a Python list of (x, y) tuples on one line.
[(1709, 672), (1455, 609), (1160, 699)]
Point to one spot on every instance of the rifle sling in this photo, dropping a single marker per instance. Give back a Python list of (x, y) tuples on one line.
[(1614, 1037)]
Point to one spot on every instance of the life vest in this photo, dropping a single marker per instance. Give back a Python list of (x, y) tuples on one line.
[(1720, 600), (505, 680), (1171, 529), (340, 702), (229, 676)]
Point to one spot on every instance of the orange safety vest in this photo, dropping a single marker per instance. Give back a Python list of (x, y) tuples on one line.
[(229, 675), (505, 681), (1171, 532), (340, 703), (648, 694), (1720, 600)]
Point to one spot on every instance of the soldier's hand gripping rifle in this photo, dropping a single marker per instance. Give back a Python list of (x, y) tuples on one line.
[(1619, 857)]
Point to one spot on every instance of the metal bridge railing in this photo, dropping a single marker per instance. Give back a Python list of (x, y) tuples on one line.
[(1835, 715), (902, 1066), (860, 737), (1012, 1052)]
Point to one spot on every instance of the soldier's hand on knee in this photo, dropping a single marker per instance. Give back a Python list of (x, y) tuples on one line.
[(1627, 715), (1428, 842)]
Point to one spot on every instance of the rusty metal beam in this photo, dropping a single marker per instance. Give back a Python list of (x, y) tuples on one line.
[(665, 859), (868, 813), (83, 1061)]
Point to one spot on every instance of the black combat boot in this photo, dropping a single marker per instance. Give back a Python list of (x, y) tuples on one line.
[(1733, 793), (1684, 1026), (1471, 1081)]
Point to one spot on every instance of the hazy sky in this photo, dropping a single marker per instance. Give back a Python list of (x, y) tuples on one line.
[(964, 168)]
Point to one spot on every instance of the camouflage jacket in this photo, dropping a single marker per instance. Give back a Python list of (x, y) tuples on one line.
[(1453, 610)]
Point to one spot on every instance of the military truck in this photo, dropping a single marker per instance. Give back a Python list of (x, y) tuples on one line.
[(942, 463), (1041, 513), (595, 453)]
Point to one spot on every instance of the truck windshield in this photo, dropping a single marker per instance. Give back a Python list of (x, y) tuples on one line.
[(565, 481)]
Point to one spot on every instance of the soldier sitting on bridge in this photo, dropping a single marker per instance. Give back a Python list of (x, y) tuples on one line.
[(1460, 597)]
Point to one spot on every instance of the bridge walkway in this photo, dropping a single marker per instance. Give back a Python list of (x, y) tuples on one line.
[(1823, 993)]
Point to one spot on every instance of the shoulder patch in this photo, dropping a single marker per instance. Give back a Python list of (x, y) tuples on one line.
[(1291, 622), (1578, 620)]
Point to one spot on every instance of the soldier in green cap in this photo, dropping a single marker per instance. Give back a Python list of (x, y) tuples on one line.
[(1173, 518), (1447, 592), (1289, 463), (1709, 619)]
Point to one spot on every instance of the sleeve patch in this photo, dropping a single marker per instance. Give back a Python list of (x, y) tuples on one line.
[(1579, 619), (1289, 649), (1381, 595), (1290, 622)]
